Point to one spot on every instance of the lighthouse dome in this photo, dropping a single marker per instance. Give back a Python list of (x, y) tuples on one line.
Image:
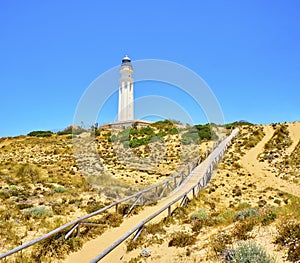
[(126, 59)]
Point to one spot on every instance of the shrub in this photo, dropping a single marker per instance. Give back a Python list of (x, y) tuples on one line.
[(289, 237), (280, 139), (246, 213), (268, 218), (200, 215), (75, 130), (113, 219), (146, 131), (93, 206), (182, 239), (199, 219), (55, 247), (162, 124), (40, 133), (138, 142), (173, 131), (155, 228), (190, 137), (220, 241), (27, 171), (226, 216), (38, 212), (242, 228), (237, 124), (251, 253), (60, 189)]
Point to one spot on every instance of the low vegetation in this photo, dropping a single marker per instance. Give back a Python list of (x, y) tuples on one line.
[(40, 133), (39, 193), (280, 139), (249, 252)]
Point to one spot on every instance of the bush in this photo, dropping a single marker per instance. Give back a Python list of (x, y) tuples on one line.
[(182, 239), (190, 137), (30, 172), (246, 213), (55, 247), (155, 228), (60, 189), (225, 217), (289, 237), (38, 212), (93, 206), (280, 139), (220, 241), (251, 253), (200, 215), (40, 133), (242, 228), (268, 218), (237, 124), (197, 133), (71, 130), (138, 142), (112, 219), (199, 219)]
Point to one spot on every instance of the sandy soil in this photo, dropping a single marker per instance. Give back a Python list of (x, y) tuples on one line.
[(94, 247), (262, 174), (294, 130)]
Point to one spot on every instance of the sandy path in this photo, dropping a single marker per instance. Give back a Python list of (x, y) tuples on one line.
[(294, 129), (94, 247), (261, 172)]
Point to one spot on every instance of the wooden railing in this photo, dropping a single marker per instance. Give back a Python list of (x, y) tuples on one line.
[(194, 190), (142, 197)]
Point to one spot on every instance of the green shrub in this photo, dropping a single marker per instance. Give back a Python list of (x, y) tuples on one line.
[(200, 215), (289, 237), (162, 124), (197, 133), (251, 253), (182, 239), (55, 247), (138, 142), (246, 213), (113, 138), (237, 124), (28, 172), (280, 139), (38, 212), (190, 137), (60, 189), (200, 219), (242, 228), (146, 131), (68, 130), (172, 131), (72, 130), (40, 133), (220, 241), (155, 228), (268, 218), (226, 216), (93, 206)]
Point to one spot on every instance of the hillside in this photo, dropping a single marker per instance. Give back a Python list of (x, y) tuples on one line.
[(251, 198), (42, 187), (254, 195)]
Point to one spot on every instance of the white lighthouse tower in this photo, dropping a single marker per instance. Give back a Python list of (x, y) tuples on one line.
[(126, 103)]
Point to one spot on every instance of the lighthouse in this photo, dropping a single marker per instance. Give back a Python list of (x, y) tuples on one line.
[(126, 102), (126, 99)]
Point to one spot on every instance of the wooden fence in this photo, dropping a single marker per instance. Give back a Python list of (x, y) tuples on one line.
[(142, 197), (194, 191)]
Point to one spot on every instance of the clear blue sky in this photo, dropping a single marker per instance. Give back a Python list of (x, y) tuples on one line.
[(50, 51)]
